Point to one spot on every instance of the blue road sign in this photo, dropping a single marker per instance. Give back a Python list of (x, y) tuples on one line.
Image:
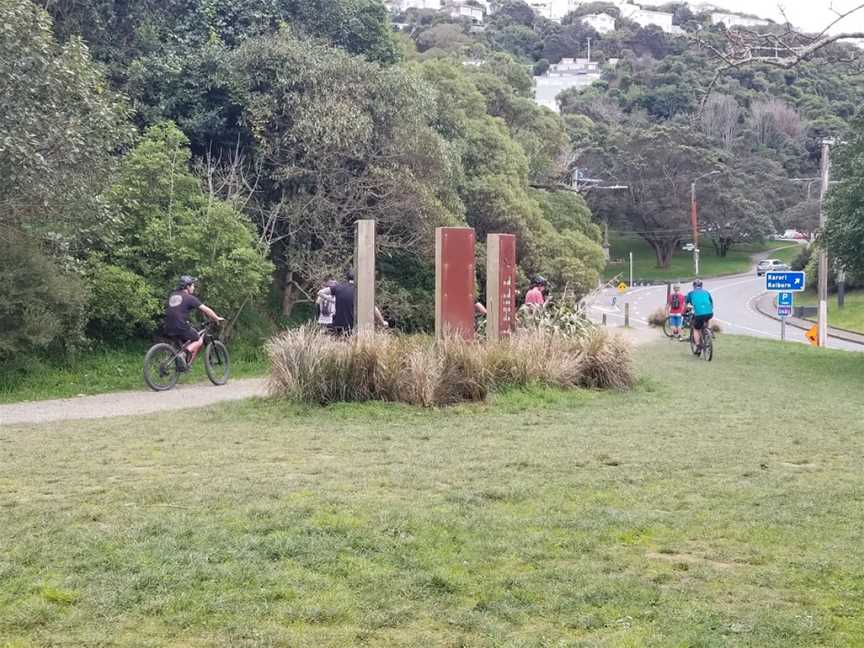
[(784, 311), (784, 281), (784, 299)]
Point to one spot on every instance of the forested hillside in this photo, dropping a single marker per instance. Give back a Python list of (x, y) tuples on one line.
[(657, 121), (239, 141)]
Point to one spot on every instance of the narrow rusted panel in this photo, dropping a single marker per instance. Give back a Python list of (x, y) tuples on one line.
[(454, 289), (506, 284)]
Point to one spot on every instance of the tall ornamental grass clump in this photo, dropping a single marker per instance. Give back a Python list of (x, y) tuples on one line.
[(313, 367)]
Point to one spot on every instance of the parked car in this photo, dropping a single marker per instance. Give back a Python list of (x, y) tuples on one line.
[(771, 265)]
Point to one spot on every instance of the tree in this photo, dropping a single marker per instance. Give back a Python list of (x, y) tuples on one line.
[(337, 139), (59, 125), (519, 12), (445, 36), (732, 210), (657, 165), (773, 122), (782, 47), (844, 233), (166, 226), (721, 119)]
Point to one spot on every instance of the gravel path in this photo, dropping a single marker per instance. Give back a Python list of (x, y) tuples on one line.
[(130, 403)]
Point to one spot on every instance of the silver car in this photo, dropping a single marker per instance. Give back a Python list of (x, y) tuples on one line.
[(770, 265)]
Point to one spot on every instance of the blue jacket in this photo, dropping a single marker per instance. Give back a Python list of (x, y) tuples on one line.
[(701, 301)]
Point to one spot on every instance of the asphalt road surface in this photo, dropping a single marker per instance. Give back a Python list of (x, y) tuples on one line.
[(734, 308)]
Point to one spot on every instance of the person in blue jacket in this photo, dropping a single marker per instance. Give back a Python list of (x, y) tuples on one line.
[(703, 310)]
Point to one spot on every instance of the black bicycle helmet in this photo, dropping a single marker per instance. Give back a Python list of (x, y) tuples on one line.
[(539, 281), (697, 283), (186, 281)]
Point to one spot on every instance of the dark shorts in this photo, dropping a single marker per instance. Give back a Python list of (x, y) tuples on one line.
[(183, 335), (699, 321)]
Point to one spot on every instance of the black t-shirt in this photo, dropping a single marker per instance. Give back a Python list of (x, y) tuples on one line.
[(177, 310), (344, 316)]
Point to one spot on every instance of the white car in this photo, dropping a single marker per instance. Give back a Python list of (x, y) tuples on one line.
[(770, 265)]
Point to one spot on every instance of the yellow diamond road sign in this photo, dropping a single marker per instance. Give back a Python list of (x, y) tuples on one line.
[(622, 287)]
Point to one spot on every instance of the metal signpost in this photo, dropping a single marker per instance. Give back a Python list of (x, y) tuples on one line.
[(784, 284)]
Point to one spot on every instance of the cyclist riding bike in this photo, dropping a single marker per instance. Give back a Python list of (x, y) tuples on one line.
[(703, 310), (181, 303)]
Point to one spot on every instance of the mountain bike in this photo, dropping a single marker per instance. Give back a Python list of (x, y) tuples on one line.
[(165, 361), (706, 348), (685, 323)]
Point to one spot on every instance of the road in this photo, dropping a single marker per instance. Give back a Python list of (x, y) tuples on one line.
[(734, 308)]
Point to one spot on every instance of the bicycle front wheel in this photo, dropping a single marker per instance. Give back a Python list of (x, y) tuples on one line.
[(667, 327), (217, 364), (160, 368)]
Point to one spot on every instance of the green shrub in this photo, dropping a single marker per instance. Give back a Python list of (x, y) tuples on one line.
[(311, 366), (43, 305), (120, 301), (657, 318), (166, 227)]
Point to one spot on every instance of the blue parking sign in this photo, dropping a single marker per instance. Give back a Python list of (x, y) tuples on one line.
[(784, 299)]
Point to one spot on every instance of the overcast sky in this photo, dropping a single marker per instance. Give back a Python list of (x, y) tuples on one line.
[(809, 15)]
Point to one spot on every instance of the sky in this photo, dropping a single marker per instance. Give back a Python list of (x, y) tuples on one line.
[(808, 15)]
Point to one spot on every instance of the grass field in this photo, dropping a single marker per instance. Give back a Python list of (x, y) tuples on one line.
[(105, 369), (681, 268), (850, 317), (725, 516)]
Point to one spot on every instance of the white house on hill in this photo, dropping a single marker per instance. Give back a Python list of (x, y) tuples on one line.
[(465, 10), (644, 17), (731, 20), (602, 23), (402, 5), (554, 9)]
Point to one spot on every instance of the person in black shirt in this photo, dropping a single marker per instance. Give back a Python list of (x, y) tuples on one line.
[(343, 319), (181, 303)]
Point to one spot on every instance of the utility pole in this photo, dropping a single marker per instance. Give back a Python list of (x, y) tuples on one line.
[(589, 49), (823, 253), (694, 221), (631, 269), (694, 218)]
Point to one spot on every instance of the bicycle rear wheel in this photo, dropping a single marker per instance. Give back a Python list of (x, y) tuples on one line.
[(217, 364), (707, 345), (160, 368), (694, 348)]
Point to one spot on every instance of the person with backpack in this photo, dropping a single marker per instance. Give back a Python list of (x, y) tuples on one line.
[(342, 294), (676, 304), (326, 306)]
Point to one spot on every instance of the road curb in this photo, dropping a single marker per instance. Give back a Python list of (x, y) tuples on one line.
[(765, 305)]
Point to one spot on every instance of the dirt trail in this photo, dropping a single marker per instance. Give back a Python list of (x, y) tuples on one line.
[(129, 403)]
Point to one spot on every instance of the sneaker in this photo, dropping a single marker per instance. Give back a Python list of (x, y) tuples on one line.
[(180, 363)]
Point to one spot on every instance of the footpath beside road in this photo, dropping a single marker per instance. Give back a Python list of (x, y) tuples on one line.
[(767, 306), (130, 403)]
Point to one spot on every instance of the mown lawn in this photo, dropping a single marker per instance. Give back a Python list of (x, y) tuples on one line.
[(104, 368), (728, 514), (737, 260), (850, 317)]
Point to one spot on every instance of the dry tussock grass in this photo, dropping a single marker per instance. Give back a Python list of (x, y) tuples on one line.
[(311, 366)]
